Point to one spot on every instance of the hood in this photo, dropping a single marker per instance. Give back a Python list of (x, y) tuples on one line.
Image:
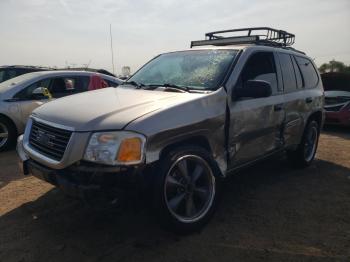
[(108, 108), (336, 93)]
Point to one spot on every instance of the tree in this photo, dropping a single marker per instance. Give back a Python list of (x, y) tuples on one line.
[(334, 66)]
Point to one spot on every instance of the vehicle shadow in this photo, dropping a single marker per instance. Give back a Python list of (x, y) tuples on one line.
[(268, 211), (9, 170)]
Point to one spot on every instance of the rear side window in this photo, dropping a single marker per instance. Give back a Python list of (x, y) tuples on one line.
[(260, 66), (308, 72), (110, 83), (2, 76), (300, 82), (63, 86), (288, 75)]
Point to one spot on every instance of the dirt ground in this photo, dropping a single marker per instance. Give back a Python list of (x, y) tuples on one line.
[(269, 212)]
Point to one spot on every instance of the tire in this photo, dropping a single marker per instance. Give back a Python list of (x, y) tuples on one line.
[(306, 151), (8, 134), (186, 189)]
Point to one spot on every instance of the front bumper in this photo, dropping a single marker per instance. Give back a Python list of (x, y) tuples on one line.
[(83, 179)]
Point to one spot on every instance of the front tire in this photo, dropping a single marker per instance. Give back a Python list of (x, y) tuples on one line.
[(8, 134), (306, 151), (187, 189)]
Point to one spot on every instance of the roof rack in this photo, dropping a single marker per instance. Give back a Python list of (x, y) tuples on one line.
[(252, 35)]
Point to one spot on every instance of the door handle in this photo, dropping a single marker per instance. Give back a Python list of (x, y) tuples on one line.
[(308, 100), (278, 107)]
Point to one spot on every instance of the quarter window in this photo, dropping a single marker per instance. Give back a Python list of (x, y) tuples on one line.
[(308, 71), (289, 80), (300, 81)]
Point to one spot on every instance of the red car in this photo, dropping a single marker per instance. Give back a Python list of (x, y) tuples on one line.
[(337, 98)]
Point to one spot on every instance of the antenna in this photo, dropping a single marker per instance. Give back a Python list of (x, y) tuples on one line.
[(110, 33)]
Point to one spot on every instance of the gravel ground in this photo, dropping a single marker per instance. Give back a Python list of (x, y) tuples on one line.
[(269, 212)]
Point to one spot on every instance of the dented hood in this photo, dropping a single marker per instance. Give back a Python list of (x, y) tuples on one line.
[(107, 109)]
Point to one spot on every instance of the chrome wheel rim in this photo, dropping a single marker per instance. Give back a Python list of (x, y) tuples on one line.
[(189, 188), (310, 143), (4, 133)]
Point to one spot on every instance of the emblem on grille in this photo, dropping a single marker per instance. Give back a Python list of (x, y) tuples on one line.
[(45, 138)]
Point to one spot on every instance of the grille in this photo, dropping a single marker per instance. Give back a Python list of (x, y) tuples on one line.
[(334, 108), (49, 141)]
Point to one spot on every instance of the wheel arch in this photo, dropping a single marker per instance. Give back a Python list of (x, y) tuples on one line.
[(10, 120), (318, 117), (197, 141)]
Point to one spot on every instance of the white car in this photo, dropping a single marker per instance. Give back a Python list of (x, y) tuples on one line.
[(19, 96)]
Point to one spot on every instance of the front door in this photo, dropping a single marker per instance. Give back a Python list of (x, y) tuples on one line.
[(256, 123), (27, 101)]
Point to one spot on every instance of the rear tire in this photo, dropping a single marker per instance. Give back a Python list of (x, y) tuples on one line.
[(8, 134), (186, 189), (306, 151)]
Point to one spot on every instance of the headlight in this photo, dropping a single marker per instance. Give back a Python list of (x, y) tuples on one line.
[(115, 148)]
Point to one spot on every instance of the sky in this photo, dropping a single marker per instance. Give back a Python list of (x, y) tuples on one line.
[(76, 32)]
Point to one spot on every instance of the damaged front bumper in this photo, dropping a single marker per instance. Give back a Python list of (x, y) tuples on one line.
[(83, 179)]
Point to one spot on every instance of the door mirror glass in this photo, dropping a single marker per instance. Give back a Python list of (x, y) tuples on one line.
[(254, 89), (41, 93)]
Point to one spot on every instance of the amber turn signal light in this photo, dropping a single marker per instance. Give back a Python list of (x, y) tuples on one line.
[(130, 150)]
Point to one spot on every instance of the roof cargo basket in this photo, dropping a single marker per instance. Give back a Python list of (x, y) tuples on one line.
[(252, 35)]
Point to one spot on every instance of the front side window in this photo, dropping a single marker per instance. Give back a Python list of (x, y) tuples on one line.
[(200, 69), (308, 71), (260, 66), (27, 93)]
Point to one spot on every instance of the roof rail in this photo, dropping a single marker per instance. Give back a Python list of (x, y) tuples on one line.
[(251, 35)]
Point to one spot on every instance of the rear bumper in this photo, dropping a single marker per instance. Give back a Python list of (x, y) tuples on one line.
[(338, 118)]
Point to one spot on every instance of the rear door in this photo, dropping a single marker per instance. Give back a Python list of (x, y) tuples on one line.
[(294, 99), (255, 123)]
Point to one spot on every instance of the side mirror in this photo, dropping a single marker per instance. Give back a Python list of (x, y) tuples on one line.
[(254, 89), (41, 93)]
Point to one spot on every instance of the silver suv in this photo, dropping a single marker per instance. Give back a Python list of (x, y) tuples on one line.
[(19, 96), (181, 124)]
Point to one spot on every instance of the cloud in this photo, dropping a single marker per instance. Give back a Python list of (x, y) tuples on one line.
[(66, 7), (78, 30)]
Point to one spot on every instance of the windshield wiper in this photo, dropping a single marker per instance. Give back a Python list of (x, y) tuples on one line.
[(168, 86), (133, 83)]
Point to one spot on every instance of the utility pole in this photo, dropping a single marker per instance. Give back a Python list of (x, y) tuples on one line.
[(110, 33)]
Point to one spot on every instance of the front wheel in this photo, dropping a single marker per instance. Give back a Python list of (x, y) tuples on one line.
[(306, 151), (8, 134), (186, 189)]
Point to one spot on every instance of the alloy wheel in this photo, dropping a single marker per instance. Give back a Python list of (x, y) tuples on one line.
[(3, 134), (189, 188), (310, 143)]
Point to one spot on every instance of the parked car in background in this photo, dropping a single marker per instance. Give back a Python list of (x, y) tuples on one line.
[(182, 124), (8, 72), (19, 96), (89, 69), (337, 98)]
